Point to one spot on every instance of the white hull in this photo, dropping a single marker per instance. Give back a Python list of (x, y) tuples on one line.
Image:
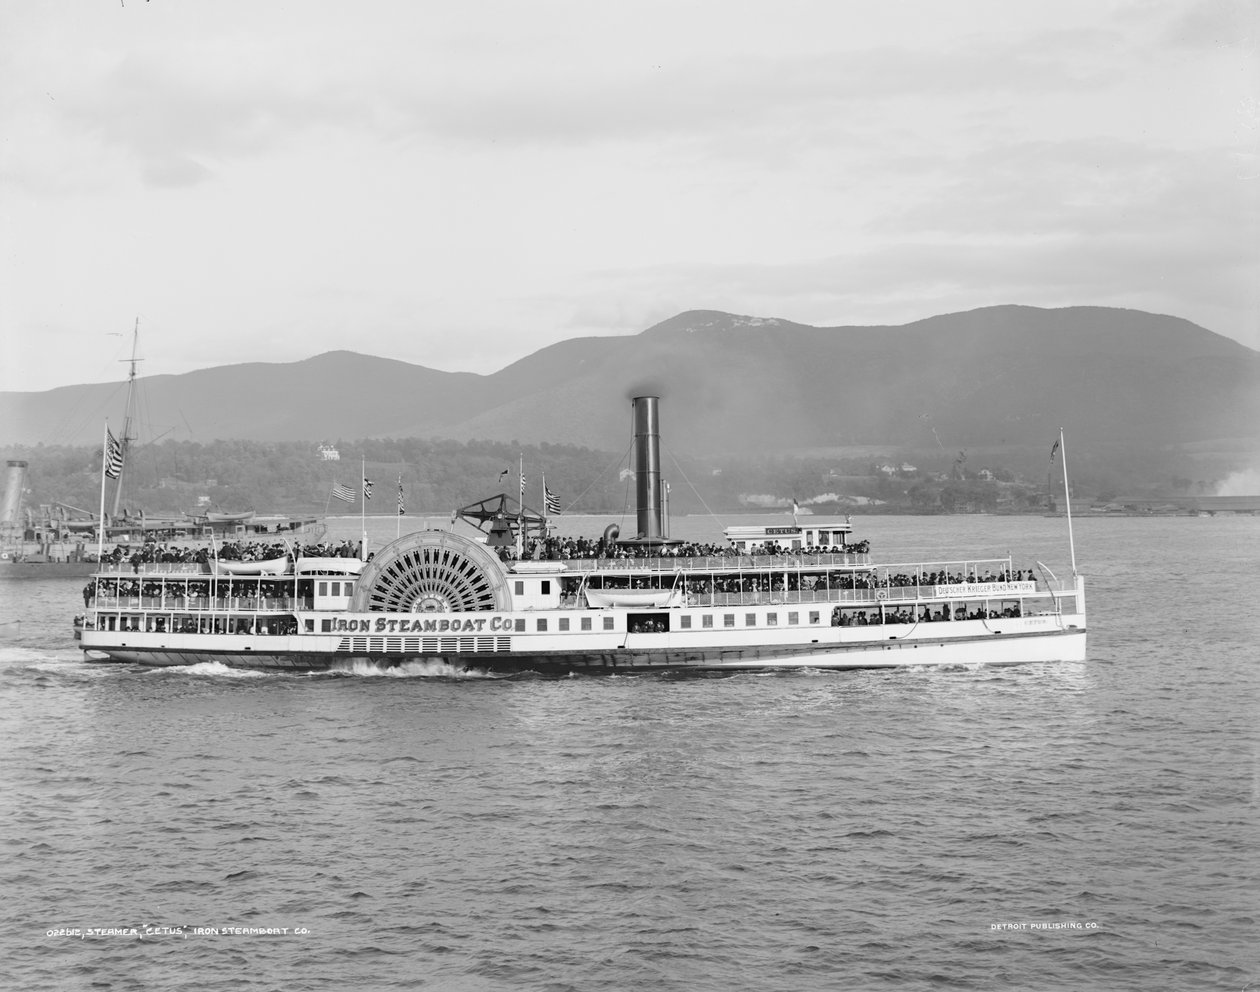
[(1013, 641)]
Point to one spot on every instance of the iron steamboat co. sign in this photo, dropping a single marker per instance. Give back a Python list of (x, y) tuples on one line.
[(977, 589), (376, 623)]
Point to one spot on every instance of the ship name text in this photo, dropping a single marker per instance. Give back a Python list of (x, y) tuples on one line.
[(421, 625)]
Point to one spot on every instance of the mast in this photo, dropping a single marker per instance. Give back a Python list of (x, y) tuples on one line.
[(1067, 503), (363, 492), (128, 416)]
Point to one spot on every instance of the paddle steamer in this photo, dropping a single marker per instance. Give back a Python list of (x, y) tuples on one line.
[(800, 596)]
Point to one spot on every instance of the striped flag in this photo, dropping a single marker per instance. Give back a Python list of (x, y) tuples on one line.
[(113, 455), (402, 505), (343, 493), (550, 500), (522, 482), (367, 488)]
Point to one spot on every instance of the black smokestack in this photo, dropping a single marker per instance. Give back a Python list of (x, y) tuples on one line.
[(647, 469)]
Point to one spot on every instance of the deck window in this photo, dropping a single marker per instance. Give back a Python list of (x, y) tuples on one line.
[(564, 623), (772, 619), (323, 588), (335, 589), (586, 623), (793, 619), (728, 619), (608, 623), (684, 622), (750, 619), (813, 616), (546, 587), (707, 621), (542, 626), (647, 623), (519, 626), (518, 587)]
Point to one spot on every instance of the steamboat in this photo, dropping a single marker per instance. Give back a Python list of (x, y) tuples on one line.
[(776, 597)]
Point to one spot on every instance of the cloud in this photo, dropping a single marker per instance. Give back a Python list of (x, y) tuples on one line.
[(1215, 24), (179, 123)]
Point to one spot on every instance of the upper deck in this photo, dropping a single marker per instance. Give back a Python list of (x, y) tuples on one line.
[(815, 532)]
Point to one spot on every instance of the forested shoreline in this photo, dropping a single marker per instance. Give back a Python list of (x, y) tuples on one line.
[(438, 476)]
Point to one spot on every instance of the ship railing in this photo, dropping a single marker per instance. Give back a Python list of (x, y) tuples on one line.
[(962, 568), (867, 596), (199, 604), (711, 563), (125, 567)]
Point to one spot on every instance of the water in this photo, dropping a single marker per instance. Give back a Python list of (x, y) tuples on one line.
[(861, 830)]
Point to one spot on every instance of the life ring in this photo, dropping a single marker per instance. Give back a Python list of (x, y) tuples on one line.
[(611, 533), (4, 556), (881, 593)]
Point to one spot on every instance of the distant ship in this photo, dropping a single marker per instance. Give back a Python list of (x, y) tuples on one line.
[(774, 597), (57, 540)]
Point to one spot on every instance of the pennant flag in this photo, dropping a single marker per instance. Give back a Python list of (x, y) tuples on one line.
[(1053, 448), (343, 493), (367, 488), (402, 506), (113, 455), (550, 500), (503, 475)]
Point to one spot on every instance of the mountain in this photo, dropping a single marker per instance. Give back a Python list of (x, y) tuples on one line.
[(1006, 375)]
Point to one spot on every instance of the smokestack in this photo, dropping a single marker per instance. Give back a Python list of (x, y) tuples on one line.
[(11, 504), (647, 469)]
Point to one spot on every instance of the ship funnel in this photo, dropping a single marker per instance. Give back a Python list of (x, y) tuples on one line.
[(647, 469), (11, 502)]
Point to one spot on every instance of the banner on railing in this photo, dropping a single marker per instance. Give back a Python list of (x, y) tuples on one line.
[(968, 590)]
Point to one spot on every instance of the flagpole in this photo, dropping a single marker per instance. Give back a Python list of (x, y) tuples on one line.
[(1067, 503), (398, 515), (100, 531), (520, 513), (363, 508)]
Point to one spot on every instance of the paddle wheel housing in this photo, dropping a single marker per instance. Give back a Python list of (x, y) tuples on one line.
[(432, 571)]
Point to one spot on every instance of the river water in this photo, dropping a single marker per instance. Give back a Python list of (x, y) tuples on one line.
[(1043, 827)]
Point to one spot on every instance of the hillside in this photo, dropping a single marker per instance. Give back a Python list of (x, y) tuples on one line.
[(1005, 376)]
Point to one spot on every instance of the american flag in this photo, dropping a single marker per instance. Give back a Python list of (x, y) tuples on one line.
[(367, 488), (343, 493), (522, 482), (113, 455), (550, 500)]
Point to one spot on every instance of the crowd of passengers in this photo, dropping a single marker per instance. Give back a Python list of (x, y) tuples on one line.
[(207, 625), (795, 582), (864, 618), (564, 548), (155, 553), (179, 591)]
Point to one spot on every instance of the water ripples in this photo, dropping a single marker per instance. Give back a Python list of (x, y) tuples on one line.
[(780, 831)]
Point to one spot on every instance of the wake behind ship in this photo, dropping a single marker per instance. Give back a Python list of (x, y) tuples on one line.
[(776, 597)]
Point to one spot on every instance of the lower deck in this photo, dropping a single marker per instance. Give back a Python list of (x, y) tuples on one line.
[(1011, 640)]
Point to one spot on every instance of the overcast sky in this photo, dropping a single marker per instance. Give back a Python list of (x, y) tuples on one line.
[(457, 185)]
